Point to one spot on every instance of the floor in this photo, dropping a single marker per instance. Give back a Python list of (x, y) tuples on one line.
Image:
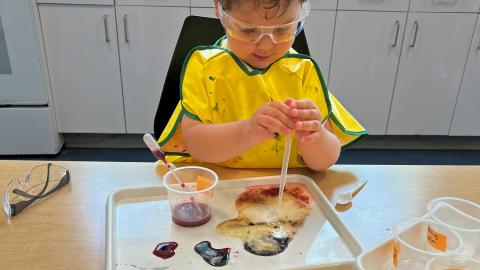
[(350, 156)]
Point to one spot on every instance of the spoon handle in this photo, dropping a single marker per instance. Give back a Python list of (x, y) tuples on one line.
[(359, 187)]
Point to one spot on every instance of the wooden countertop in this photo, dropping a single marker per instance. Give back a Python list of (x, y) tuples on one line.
[(67, 230)]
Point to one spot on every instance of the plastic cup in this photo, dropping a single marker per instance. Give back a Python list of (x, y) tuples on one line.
[(460, 215), (190, 202), (418, 240), (453, 263)]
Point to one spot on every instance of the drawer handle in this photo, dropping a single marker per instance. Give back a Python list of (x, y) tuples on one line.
[(125, 28), (415, 33), (105, 24), (450, 2), (397, 30), (478, 47)]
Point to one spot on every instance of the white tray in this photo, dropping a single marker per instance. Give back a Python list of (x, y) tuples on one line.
[(138, 219), (381, 256)]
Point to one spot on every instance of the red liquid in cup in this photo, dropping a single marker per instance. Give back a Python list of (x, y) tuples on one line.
[(187, 214)]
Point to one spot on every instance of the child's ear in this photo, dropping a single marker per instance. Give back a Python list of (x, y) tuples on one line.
[(215, 3)]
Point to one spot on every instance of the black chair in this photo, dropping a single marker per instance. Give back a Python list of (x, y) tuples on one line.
[(195, 31)]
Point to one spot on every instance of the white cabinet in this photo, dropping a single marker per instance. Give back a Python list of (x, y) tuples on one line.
[(204, 12), (319, 28), (365, 57), (163, 3), (201, 3), (467, 110), (323, 4), (82, 55), (146, 38), (379, 5), (433, 58), (445, 5)]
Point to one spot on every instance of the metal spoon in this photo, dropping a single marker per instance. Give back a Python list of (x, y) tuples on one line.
[(347, 197)]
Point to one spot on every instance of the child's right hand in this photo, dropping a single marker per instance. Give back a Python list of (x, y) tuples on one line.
[(269, 119)]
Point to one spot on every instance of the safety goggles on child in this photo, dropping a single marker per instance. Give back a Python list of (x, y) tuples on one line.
[(253, 33)]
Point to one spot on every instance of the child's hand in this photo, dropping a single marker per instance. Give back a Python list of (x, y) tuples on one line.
[(269, 119), (307, 118)]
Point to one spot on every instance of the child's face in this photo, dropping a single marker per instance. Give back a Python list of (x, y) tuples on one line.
[(264, 52)]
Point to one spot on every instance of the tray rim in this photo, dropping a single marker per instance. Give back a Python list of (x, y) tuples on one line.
[(153, 191)]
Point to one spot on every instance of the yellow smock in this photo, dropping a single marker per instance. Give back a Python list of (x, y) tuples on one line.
[(217, 87)]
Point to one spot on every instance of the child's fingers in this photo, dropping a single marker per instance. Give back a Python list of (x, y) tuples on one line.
[(281, 107), (273, 124), (313, 114), (303, 104), (278, 112), (290, 102), (312, 125)]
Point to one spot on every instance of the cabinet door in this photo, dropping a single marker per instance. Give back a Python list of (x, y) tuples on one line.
[(319, 33), (467, 110), (147, 37), (203, 11), (445, 5), (365, 58), (379, 5), (201, 3), (323, 4), (82, 56), (431, 66)]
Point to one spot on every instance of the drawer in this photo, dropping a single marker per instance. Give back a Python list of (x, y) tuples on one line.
[(445, 5), (77, 2), (323, 4), (314, 4), (201, 3), (377, 5), (160, 3)]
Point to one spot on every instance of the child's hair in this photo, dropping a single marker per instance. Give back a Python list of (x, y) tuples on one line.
[(278, 6)]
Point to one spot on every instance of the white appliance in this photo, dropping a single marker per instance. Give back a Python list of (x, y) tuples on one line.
[(27, 119)]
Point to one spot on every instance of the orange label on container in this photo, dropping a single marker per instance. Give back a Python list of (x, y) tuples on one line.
[(395, 254), (203, 183), (437, 240)]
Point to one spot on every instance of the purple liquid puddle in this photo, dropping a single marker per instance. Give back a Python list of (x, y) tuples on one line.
[(165, 250)]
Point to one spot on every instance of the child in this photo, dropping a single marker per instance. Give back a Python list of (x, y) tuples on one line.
[(239, 99)]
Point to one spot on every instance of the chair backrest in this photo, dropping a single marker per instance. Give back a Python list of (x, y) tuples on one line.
[(195, 31)]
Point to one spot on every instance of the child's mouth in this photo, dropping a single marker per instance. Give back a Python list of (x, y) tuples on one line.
[(261, 57)]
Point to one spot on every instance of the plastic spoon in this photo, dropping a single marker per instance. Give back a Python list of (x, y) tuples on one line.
[(347, 197), (160, 155)]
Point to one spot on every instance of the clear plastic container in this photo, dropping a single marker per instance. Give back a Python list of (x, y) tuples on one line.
[(190, 199), (455, 263), (460, 215), (418, 240)]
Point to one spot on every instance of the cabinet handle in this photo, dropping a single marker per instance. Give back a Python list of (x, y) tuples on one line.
[(451, 2), (107, 32), (415, 27), (478, 47), (125, 28), (397, 30)]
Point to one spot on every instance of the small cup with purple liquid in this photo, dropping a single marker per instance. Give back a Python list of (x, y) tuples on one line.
[(190, 200)]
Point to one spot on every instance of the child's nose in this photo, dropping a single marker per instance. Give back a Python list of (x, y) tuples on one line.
[(265, 42)]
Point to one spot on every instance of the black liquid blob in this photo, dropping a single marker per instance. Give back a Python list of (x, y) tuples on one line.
[(213, 256), (165, 250)]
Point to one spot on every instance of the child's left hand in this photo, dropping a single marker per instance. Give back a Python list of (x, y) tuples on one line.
[(307, 118)]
